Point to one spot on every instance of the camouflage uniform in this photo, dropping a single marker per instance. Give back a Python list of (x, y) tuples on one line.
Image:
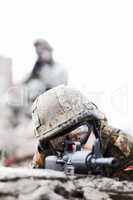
[(114, 141), (119, 143)]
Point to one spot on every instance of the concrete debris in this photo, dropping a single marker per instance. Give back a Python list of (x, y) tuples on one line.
[(33, 184)]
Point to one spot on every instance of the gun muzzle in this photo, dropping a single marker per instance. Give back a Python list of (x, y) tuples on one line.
[(104, 161)]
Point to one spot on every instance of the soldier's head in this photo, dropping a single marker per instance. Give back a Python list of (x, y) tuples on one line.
[(43, 50)]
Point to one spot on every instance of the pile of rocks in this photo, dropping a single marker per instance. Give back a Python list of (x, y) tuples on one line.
[(29, 184)]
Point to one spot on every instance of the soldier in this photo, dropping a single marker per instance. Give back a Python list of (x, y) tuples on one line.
[(58, 114), (46, 69), (45, 75)]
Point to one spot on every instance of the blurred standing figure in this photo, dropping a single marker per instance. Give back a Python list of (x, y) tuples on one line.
[(46, 70), (45, 75)]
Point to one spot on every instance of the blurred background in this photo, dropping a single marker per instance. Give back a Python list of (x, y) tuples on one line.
[(93, 41)]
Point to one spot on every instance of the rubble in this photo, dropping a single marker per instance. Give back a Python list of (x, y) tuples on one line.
[(35, 184), (17, 139)]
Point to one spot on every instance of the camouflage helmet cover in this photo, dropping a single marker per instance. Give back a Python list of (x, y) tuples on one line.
[(60, 108)]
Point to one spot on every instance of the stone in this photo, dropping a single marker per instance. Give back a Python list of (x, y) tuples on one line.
[(39, 184)]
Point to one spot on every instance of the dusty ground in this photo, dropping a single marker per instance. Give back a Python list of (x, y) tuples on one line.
[(28, 184)]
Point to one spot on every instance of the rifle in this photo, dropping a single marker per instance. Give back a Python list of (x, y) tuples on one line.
[(80, 161)]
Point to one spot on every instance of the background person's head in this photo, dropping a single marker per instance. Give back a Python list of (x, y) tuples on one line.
[(43, 50)]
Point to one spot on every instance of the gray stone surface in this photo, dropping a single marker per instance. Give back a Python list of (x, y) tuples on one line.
[(33, 184)]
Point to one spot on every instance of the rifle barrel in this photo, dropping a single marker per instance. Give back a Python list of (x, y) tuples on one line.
[(104, 161)]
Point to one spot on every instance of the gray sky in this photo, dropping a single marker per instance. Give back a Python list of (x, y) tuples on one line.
[(93, 40)]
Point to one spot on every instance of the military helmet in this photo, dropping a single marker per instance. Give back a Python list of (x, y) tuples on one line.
[(61, 108), (43, 44)]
